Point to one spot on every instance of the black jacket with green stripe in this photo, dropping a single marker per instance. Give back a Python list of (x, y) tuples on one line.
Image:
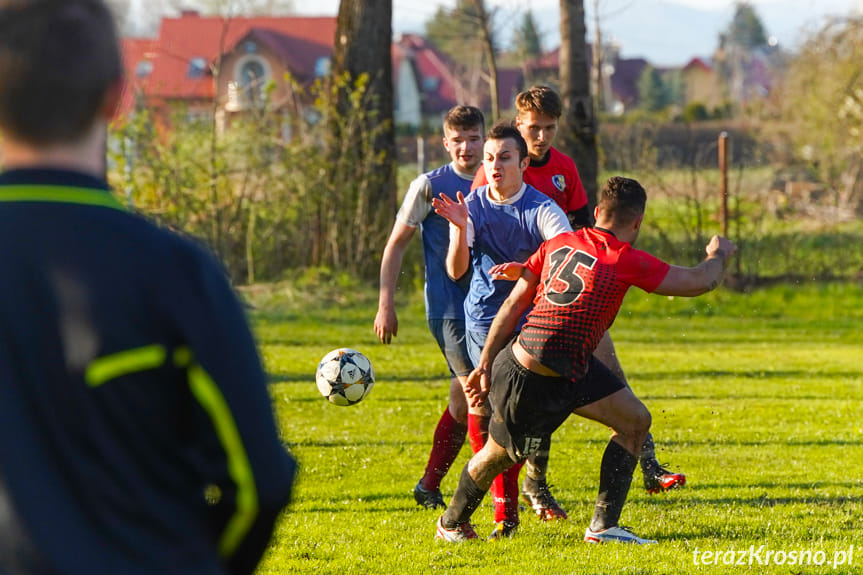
[(136, 431)]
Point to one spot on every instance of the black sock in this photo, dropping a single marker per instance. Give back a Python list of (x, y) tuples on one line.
[(615, 475), (647, 457), (465, 501), (537, 466)]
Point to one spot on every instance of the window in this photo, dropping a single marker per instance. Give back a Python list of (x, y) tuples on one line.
[(430, 83), (251, 74), (197, 68), (143, 68), (322, 67)]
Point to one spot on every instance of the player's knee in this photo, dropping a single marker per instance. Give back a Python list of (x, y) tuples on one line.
[(458, 412), (457, 402), (637, 423), (641, 419)]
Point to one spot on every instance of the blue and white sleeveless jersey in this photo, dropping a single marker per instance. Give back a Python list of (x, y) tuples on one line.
[(500, 232), (444, 298)]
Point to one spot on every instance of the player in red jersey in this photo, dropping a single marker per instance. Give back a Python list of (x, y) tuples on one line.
[(550, 171), (554, 174), (576, 283)]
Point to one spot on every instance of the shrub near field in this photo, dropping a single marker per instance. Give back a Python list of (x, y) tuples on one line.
[(756, 397)]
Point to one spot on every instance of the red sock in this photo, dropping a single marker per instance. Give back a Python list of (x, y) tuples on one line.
[(448, 439), (504, 490), (477, 430), (510, 488)]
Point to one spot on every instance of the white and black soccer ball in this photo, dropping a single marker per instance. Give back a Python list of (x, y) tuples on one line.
[(345, 376)]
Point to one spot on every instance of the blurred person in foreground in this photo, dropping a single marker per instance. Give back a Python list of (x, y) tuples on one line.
[(136, 432)]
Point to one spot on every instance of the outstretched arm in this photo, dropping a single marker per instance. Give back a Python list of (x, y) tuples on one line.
[(704, 277), (458, 254), (386, 321)]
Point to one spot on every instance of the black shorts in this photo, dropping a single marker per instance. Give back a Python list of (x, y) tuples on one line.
[(527, 407)]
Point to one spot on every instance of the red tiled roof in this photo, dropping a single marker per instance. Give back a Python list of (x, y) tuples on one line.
[(430, 63), (181, 40), (698, 63), (133, 53)]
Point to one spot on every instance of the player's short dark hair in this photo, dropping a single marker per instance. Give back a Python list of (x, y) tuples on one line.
[(464, 117), (58, 59), (622, 199), (540, 99), (504, 131)]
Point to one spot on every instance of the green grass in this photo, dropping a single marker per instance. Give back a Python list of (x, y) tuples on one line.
[(756, 397)]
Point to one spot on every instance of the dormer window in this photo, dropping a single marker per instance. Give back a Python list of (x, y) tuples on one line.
[(197, 67), (322, 67), (143, 68), (430, 83)]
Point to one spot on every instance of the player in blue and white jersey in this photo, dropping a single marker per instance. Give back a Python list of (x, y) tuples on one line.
[(463, 128), (506, 220)]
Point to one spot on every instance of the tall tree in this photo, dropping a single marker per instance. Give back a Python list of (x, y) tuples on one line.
[(363, 54), (526, 39), (578, 125), (484, 25), (653, 93), (821, 105), (746, 29), (744, 34)]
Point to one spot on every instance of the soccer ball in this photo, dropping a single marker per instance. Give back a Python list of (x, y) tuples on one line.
[(345, 376)]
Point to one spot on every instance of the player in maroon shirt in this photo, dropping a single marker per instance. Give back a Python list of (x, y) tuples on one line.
[(576, 283)]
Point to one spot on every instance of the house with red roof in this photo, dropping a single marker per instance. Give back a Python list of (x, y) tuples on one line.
[(206, 64), (418, 64), (197, 60), (702, 84)]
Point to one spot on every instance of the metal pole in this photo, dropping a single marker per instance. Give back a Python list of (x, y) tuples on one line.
[(723, 180)]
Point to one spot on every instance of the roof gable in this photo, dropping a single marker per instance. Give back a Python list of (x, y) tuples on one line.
[(301, 56)]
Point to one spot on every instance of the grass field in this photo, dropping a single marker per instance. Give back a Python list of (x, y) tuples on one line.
[(756, 397)]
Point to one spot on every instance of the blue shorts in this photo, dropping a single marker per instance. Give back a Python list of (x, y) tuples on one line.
[(475, 343), (450, 337)]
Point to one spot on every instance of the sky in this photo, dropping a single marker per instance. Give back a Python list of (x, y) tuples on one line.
[(665, 32)]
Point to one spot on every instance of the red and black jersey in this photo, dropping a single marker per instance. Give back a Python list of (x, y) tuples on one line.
[(583, 278), (555, 176)]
